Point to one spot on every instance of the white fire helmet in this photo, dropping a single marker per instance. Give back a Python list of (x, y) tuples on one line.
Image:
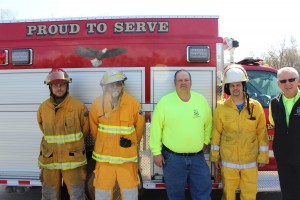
[(57, 75), (111, 76), (235, 73)]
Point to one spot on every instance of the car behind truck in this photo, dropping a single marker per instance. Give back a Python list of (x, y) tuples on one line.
[(147, 49)]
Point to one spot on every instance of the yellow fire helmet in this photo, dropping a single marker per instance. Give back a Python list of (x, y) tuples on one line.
[(111, 76)]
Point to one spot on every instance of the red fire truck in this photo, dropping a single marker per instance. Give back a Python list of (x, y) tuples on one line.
[(147, 49)]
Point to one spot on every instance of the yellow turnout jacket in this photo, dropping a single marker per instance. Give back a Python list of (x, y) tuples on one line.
[(64, 128), (238, 139)]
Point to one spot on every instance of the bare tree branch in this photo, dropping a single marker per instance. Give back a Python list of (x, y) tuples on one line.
[(6, 14), (286, 54)]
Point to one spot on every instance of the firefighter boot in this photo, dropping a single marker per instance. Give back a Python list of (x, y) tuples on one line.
[(102, 194), (77, 192), (48, 193), (130, 194)]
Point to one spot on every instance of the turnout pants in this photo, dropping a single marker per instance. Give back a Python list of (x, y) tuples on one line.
[(245, 179), (73, 178), (106, 175)]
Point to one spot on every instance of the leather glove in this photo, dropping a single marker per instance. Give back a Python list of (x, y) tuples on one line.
[(125, 142)]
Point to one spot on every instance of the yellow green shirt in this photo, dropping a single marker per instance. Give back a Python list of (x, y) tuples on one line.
[(181, 126)]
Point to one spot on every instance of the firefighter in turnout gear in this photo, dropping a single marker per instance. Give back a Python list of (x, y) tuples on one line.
[(239, 141), (117, 125), (64, 123)]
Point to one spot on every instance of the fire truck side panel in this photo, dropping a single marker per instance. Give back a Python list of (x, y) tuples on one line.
[(21, 93), (150, 50), (162, 82)]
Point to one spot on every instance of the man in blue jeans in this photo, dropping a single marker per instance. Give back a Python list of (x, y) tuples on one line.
[(180, 131)]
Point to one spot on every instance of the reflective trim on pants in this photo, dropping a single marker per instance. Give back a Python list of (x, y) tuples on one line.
[(239, 166), (127, 194), (245, 179)]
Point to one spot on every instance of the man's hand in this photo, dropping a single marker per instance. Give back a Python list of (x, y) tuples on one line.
[(159, 160), (217, 164), (261, 164), (204, 147)]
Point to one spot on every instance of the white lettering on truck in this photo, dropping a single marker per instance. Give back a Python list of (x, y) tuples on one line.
[(53, 29), (141, 27), (97, 28), (100, 28)]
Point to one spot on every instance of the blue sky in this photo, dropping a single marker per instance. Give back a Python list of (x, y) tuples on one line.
[(257, 25)]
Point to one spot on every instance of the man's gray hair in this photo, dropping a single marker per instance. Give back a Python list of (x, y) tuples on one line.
[(289, 70)]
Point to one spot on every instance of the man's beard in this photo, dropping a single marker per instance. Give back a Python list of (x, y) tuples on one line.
[(236, 93), (115, 94), (59, 99)]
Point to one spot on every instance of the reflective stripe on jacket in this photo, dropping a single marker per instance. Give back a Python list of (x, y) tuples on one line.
[(63, 166), (109, 125), (237, 139), (61, 139), (64, 128), (113, 159), (122, 130)]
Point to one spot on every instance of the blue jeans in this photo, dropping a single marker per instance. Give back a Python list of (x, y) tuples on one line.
[(182, 170)]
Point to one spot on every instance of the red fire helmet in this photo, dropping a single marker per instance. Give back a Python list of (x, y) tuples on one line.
[(57, 75)]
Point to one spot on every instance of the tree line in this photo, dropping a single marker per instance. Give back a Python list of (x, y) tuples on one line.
[(285, 55)]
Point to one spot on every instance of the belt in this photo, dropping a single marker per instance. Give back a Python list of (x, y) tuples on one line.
[(181, 154)]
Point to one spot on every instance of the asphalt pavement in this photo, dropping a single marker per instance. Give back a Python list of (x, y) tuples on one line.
[(34, 193)]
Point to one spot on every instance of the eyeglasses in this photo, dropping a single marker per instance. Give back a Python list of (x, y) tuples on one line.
[(289, 80)]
